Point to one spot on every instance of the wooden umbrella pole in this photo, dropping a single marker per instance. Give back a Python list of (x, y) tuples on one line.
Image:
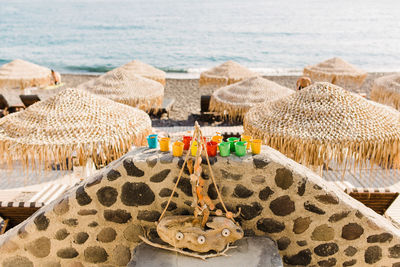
[(178, 179)]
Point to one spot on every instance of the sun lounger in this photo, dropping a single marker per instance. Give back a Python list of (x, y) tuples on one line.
[(166, 107), (205, 103), (29, 100), (3, 106), (17, 212), (378, 199)]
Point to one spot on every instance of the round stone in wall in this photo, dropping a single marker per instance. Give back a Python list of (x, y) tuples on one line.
[(82, 197), (39, 247), (132, 232), (17, 261), (249, 212), (283, 178), (394, 252), (373, 254), (326, 249), (313, 208), (301, 224), (61, 234), (327, 263), (350, 251), (269, 225), (41, 222), (95, 254), (352, 231), (148, 215), (338, 216), (67, 253), (80, 238), (136, 194), (106, 235), (241, 191), (87, 212), (302, 258), (121, 255), (381, 238), (265, 193), (62, 207), (159, 177), (131, 168), (113, 175), (117, 216), (323, 233), (282, 206), (349, 263), (283, 243), (107, 195)]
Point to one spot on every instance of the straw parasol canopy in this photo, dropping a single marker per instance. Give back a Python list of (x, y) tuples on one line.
[(386, 90), (22, 74), (236, 99), (324, 122), (336, 71), (225, 74), (139, 68), (125, 87), (73, 122)]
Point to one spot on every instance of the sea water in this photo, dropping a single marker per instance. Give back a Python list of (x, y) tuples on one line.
[(187, 36)]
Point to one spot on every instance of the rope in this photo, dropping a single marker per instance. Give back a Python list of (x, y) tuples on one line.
[(197, 133), (177, 181), (213, 180)]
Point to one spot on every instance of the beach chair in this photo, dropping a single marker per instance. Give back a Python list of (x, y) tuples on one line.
[(166, 107), (29, 100), (378, 199), (17, 212), (205, 103), (3, 106)]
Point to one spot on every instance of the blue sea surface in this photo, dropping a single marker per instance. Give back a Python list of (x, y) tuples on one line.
[(86, 36)]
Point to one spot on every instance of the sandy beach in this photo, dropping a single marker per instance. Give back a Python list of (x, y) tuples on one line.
[(186, 93)]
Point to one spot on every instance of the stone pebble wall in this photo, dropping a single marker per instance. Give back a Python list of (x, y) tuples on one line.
[(97, 223)]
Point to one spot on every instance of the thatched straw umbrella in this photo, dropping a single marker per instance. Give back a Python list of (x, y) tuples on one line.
[(225, 74), (324, 122), (125, 87), (386, 90), (22, 74), (139, 68), (336, 71), (235, 100), (73, 122)]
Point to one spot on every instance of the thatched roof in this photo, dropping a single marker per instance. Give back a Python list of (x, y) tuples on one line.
[(324, 122), (236, 99), (227, 73), (386, 90), (139, 68), (336, 71), (21, 74), (125, 87), (73, 121)]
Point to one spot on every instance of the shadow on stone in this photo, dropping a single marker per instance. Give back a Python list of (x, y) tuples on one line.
[(252, 251)]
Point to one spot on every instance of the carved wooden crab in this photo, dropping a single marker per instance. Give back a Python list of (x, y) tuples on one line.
[(180, 232)]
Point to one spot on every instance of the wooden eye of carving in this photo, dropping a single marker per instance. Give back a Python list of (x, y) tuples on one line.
[(179, 236), (226, 232), (201, 239)]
